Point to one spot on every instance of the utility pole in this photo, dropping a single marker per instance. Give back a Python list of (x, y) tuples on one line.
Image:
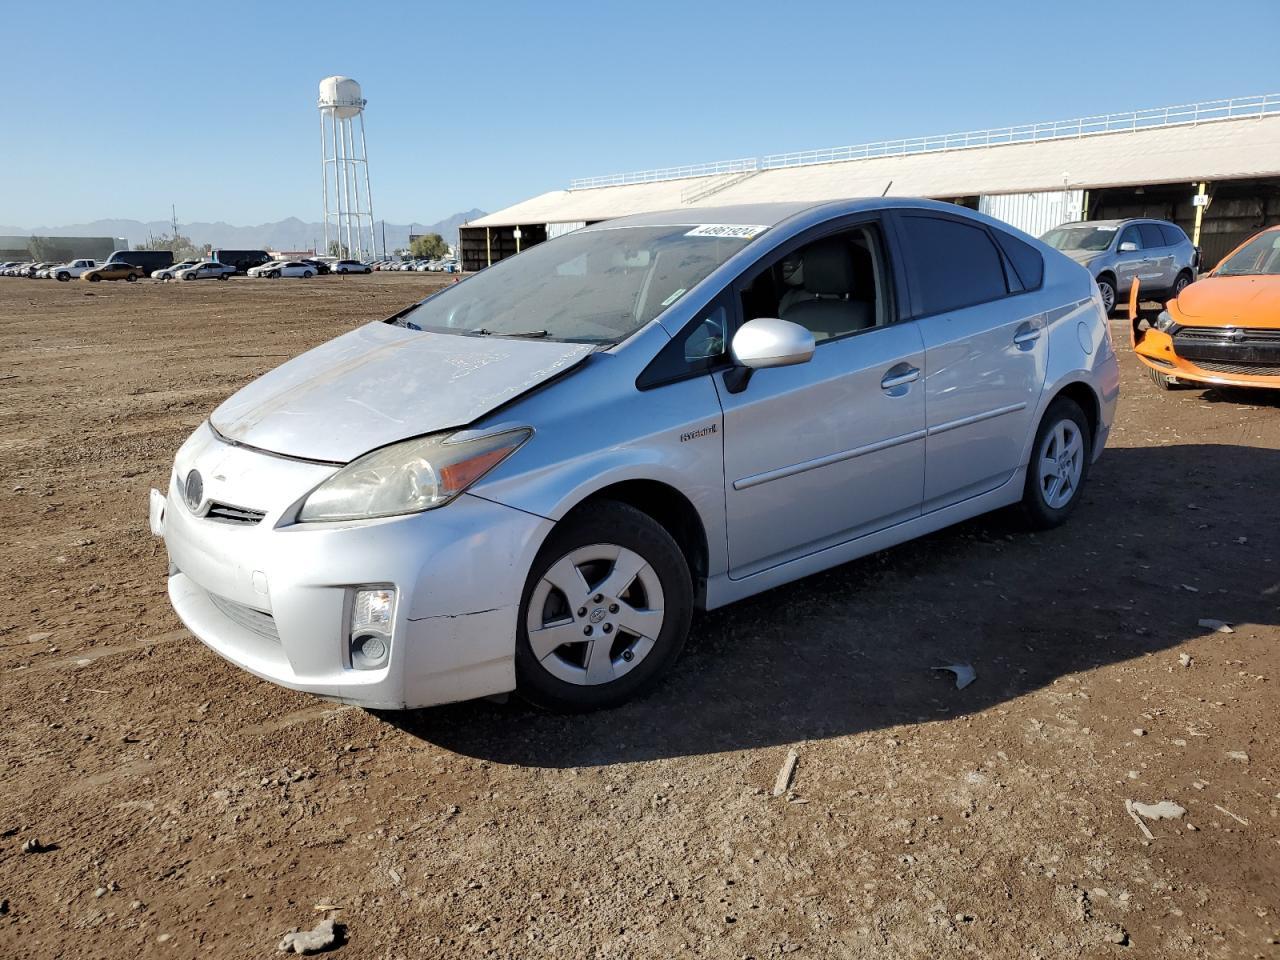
[(173, 209)]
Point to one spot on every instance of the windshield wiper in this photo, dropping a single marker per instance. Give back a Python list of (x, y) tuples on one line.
[(527, 334)]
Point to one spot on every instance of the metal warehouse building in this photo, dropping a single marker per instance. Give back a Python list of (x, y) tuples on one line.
[(1213, 168)]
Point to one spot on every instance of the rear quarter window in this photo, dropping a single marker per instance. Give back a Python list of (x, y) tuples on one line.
[(1026, 259), (1173, 234)]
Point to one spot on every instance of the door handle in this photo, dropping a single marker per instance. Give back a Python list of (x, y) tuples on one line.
[(1026, 334), (899, 378)]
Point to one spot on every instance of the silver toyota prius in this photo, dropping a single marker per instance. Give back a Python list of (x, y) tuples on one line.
[(532, 479)]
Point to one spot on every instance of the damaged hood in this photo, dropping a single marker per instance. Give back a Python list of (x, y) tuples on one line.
[(381, 383), (1245, 301)]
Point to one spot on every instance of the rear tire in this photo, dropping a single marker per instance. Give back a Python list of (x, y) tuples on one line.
[(94, 278), (131, 277), (1059, 465), (307, 274), (64, 277), (589, 655), (223, 276)]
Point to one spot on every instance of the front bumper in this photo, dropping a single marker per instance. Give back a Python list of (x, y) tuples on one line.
[(275, 600), (1204, 360)]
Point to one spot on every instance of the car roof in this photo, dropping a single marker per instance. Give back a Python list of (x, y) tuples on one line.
[(1114, 223)]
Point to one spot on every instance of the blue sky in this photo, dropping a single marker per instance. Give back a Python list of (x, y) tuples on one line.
[(212, 106)]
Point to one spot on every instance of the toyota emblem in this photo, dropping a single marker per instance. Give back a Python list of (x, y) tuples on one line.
[(193, 492)]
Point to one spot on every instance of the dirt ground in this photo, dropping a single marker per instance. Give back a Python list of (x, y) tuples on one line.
[(188, 809)]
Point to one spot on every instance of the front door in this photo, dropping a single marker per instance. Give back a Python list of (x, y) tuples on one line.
[(829, 450)]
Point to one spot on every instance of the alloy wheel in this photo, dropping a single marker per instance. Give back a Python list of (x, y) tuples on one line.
[(595, 614), (1108, 295), (1061, 464)]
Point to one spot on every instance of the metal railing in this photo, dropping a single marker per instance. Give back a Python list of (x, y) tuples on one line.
[(666, 173), (1180, 115)]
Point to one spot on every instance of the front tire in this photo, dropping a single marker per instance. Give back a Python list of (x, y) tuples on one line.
[(1059, 465), (1107, 287), (605, 610), (1163, 380)]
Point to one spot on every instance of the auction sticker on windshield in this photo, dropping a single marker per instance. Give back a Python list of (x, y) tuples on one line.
[(740, 231)]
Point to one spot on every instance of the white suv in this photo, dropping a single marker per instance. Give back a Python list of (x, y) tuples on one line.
[(72, 270)]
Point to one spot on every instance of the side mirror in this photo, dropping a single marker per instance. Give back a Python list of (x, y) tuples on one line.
[(767, 342), (1128, 247)]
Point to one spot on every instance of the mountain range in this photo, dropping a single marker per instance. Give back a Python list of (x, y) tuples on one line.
[(288, 234)]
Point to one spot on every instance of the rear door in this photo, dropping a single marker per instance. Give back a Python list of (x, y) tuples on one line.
[(1158, 267), (985, 349)]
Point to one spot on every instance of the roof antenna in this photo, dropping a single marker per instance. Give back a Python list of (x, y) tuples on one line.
[(886, 188)]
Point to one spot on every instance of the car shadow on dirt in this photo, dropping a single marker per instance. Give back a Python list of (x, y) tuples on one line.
[(1164, 537)]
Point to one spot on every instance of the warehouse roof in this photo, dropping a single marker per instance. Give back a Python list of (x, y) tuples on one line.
[(1220, 149)]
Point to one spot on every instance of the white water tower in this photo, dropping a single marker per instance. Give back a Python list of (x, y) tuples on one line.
[(348, 217)]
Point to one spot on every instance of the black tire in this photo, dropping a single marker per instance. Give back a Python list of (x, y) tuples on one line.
[(94, 278), (224, 276), (1180, 283), (189, 276), (1162, 380), (64, 277), (1039, 514), (307, 274), (274, 275), (1107, 287), (608, 522)]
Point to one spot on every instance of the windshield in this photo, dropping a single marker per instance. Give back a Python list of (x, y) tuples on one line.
[(1080, 238), (1259, 257), (597, 286)]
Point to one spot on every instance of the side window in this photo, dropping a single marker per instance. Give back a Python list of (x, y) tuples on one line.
[(834, 286), (1130, 235), (951, 264), (1173, 235), (1026, 259), (698, 348), (1151, 235)]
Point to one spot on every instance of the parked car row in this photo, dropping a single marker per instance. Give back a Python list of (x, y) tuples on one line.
[(445, 265), (133, 265)]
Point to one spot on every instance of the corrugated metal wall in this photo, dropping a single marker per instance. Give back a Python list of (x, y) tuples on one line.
[(560, 229), (1034, 213)]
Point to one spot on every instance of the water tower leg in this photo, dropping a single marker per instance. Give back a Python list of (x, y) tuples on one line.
[(324, 180), (368, 193)]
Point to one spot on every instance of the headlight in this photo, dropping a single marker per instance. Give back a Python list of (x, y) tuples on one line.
[(408, 477), (1164, 322)]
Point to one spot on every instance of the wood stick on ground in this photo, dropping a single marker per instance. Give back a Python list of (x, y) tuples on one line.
[(785, 774), (1128, 806)]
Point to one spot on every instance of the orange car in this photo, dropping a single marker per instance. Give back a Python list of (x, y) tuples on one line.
[(1225, 328)]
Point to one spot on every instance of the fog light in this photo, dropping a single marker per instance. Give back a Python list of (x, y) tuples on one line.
[(373, 612)]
